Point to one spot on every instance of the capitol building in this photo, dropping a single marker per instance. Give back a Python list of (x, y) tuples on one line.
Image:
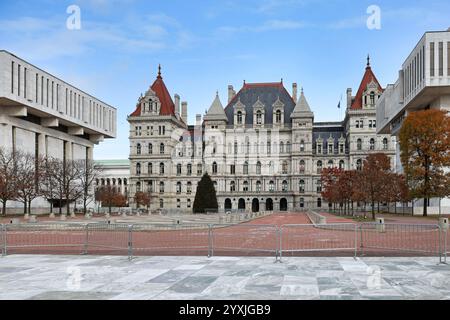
[(261, 148)]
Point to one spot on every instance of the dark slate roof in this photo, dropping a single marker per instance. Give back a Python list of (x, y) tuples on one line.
[(336, 129), (268, 93)]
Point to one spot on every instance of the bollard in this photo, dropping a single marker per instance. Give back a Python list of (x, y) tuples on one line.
[(33, 219), (130, 242), (63, 217), (381, 227), (443, 223)]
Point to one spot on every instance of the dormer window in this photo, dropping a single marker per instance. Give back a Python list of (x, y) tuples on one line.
[(372, 99), (239, 117), (278, 116), (258, 117)]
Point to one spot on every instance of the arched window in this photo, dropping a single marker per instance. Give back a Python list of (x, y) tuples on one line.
[(302, 202), (359, 165), (161, 187), (179, 169), (319, 186), (319, 166), (138, 187), (302, 166), (271, 186), (235, 147), (284, 186), (161, 168), (232, 186), (245, 167), (258, 167), (161, 148), (372, 98), (288, 147), (330, 163), (178, 187), (258, 117), (301, 186), (359, 144), (189, 188), (150, 148), (258, 186), (138, 148), (278, 116), (199, 169), (239, 117), (150, 168), (284, 167), (214, 167), (189, 169), (385, 143), (281, 147), (245, 186), (319, 202), (341, 164), (161, 203), (372, 144), (138, 168), (302, 146)]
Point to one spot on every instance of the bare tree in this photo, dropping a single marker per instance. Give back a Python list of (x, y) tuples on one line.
[(49, 182), (88, 174), (8, 176)]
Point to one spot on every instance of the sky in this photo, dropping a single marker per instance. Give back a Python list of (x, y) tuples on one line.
[(205, 45)]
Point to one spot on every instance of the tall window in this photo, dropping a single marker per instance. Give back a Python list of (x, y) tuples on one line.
[(232, 169), (239, 117), (319, 148), (161, 203), (161, 148), (372, 99), (138, 187), (372, 144), (138, 169), (432, 59), (319, 166), (161, 168), (258, 186), (302, 166), (178, 187), (258, 117), (302, 146), (284, 186), (258, 167), (245, 167), (245, 188), (319, 186), (359, 165), (235, 147), (189, 188), (150, 148), (359, 144), (301, 186), (150, 168), (179, 169), (232, 186), (214, 167), (284, 167), (330, 163), (269, 147), (161, 187), (341, 164), (189, 169), (271, 186), (281, 147), (199, 169), (288, 147), (138, 148), (385, 143), (278, 116)]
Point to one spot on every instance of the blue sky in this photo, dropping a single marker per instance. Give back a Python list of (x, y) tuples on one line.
[(205, 45)]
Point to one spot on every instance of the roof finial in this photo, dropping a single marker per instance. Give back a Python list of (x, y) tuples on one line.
[(281, 80), (244, 82), (302, 90), (159, 70), (217, 93), (368, 60)]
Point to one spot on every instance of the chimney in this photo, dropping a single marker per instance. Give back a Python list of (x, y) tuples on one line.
[(349, 98), (231, 93), (177, 105), (198, 120), (294, 92), (184, 114)]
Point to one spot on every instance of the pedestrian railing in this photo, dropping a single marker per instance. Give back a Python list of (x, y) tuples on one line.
[(345, 239)]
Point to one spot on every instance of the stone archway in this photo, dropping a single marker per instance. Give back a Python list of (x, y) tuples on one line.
[(269, 204), (241, 204), (283, 204), (255, 205), (228, 205)]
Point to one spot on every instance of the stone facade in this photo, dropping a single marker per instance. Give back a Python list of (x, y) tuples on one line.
[(263, 150)]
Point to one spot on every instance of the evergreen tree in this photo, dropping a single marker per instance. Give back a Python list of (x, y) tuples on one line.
[(205, 197)]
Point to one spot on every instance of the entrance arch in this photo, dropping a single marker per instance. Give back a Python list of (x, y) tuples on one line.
[(283, 204), (269, 204), (228, 204), (255, 205), (241, 204)]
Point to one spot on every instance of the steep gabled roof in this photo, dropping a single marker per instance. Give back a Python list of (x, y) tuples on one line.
[(216, 111), (160, 89), (302, 108), (368, 77)]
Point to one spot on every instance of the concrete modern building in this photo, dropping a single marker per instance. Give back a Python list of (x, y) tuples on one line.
[(263, 150), (423, 83), (42, 114)]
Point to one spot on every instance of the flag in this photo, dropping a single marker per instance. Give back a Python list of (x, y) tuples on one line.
[(339, 105)]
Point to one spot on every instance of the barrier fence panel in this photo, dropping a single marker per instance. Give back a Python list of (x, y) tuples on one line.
[(185, 239), (105, 238), (244, 239), (423, 239), (305, 239), (45, 238), (3, 238)]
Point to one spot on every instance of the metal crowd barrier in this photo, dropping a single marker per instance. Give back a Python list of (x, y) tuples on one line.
[(225, 239)]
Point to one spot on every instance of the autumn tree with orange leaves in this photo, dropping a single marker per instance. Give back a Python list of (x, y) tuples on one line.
[(425, 151)]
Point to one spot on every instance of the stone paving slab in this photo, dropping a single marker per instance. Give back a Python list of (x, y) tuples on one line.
[(200, 278)]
